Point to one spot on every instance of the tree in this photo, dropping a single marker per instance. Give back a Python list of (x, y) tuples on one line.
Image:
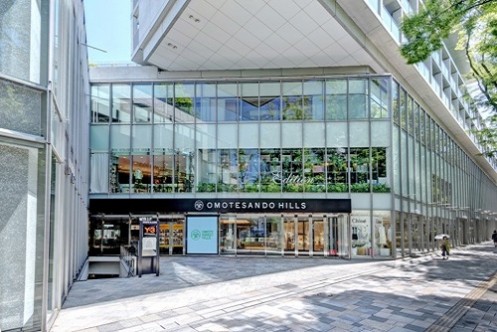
[(476, 23)]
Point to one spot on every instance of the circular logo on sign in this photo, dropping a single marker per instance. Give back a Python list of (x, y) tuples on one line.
[(199, 205), (196, 234)]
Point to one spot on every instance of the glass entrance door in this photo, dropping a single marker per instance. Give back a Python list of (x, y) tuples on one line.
[(337, 236), (172, 236)]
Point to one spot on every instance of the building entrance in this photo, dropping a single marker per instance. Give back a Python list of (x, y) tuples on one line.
[(286, 235), (171, 237)]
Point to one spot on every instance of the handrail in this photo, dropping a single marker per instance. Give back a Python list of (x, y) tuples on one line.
[(127, 255)]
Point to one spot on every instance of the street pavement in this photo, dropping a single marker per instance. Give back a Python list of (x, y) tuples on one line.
[(212, 293)]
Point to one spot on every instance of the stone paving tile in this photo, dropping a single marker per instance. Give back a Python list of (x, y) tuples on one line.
[(411, 293)]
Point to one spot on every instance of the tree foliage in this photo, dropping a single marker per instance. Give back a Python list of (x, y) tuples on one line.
[(476, 23)]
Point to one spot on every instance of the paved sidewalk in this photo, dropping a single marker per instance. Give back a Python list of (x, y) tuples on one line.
[(289, 294)]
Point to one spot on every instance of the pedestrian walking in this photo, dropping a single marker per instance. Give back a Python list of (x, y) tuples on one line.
[(445, 246), (494, 238)]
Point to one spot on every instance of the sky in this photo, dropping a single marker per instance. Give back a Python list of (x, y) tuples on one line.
[(108, 28)]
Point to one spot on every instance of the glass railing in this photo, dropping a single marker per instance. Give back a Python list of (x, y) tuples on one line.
[(406, 5), (374, 4)]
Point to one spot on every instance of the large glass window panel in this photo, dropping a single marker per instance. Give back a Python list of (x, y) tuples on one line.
[(250, 166), (251, 230), (206, 158), (99, 138), (380, 133), (379, 164), (270, 101), (100, 103), (358, 106), (336, 134), (292, 101), (403, 164), (142, 103), (206, 135), (227, 136), (292, 134), (410, 115), (395, 103), (119, 172), (290, 235), (228, 236), (207, 170), (120, 137), (270, 136), (163, 170), (403, 108), (249, 102), (141, 137), (184, 94), (121, 103), (228, 103), (336, 170), (141, 172), (21, 26), (274, 235), (314, 134), (359, 169), (248, 135), (292, 170), (271, 170), (313, 100), (205, 106), (314, 170), (336, 100), (185, 156), (99, 177), (163, 103), (228, 170), (359, 133), (163, 136), (379, 97)]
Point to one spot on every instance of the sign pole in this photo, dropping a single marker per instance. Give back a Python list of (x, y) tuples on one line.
[(157, 230), (140, 247)]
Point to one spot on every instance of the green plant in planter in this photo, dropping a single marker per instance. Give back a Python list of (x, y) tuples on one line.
[(314, 188), (271, 187), (251, 187), (381, 188), (204, 187), (338, 187), (293, 187), (360, 187)]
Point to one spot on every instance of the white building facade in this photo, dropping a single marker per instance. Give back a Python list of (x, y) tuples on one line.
[(44, 90), (296, 126)]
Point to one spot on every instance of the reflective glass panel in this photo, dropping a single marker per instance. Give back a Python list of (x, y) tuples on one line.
[(184, 102), (270, 101), (292, 101), (100, 103), (142, 103), (270, 170), (205, 107), (163, 103), (121, 103), (249, 102), (313, 100), (358, 106), (336, 100), (227, 102)]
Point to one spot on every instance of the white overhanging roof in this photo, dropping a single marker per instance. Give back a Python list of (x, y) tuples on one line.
[(247, 34)]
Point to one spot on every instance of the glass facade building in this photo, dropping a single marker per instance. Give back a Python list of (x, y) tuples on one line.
[(43, 184), (359, 137)]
